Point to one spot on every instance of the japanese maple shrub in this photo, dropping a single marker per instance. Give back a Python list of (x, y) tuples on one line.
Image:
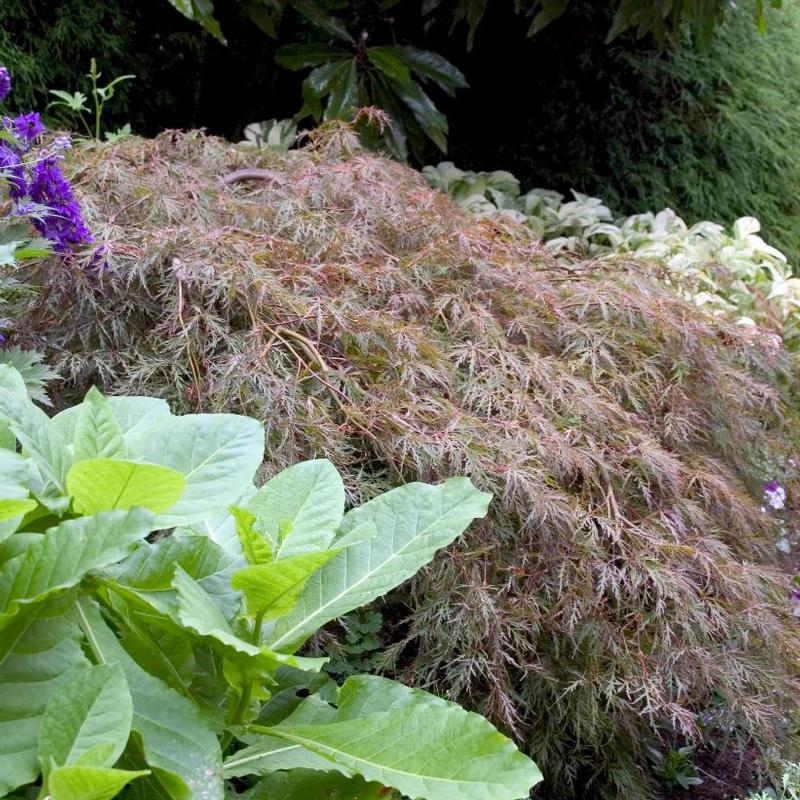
[(152, 602)]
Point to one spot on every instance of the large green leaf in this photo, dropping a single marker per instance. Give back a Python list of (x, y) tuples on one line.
[(97, 433), (272, 589), (65, 554), (431, 65), (300, 56), (388, 61), (421, 746), (179, 746), (150, 569), (319, 17), (15, 475), (133, 416), (300, 508), (217, 453), (429, 118), (256, 549), (37, 652), (308, 784), (270, 754), (38, 438), (344, 91), (103, 484), (89, 783), (88, 720), (413, 522)]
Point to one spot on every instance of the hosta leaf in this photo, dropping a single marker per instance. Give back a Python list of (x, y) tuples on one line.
[(301, 507), (65, 554), (421, 746), (89, 783), (413, 521), (304, 784), (102, 484), (179, 746), (217, 453), (272, 589), (88, 720), (97, 433), (37, 652)]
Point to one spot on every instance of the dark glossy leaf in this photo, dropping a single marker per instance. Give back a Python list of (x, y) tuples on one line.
[(431, 65), (387, 60), (430, 119), (300, 56), (344, 92), (317, 16)]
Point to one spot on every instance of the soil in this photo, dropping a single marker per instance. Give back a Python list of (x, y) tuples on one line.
[(726, 774)]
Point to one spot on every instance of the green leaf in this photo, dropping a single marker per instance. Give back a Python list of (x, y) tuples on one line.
[(307, 500), (388, 61), (431, 65), (419, 745), (201, 11), (198, 612), (300, 56), (255, 547), (305, 784), (429, 118), (344, 92), (148, 573), (103, 484), (272, 589), (134, 416), (88, 720), (39, 439), (11, 514), (62, 557), (179, 746), (315, 15), (37, 652), (97, 433), (269, 754), (413, 521), (218, 453), (90, 783)]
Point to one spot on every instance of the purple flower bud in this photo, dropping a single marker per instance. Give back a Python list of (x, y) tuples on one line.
[(61, 143), (5, 83)]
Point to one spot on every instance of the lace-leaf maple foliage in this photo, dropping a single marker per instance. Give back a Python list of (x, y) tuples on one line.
[(623, 579)]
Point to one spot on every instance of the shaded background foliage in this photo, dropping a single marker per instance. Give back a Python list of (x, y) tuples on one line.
[(639, 126)]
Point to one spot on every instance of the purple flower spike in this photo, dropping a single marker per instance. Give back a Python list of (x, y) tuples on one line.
[(5, 83), (64, 224), (28, 127), (13, 171)]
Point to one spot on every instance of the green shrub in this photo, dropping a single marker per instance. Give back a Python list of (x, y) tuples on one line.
[(714, 134), (622, 581), (111, 640)]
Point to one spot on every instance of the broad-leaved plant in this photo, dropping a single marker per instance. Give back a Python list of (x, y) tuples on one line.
[(153, 602)]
